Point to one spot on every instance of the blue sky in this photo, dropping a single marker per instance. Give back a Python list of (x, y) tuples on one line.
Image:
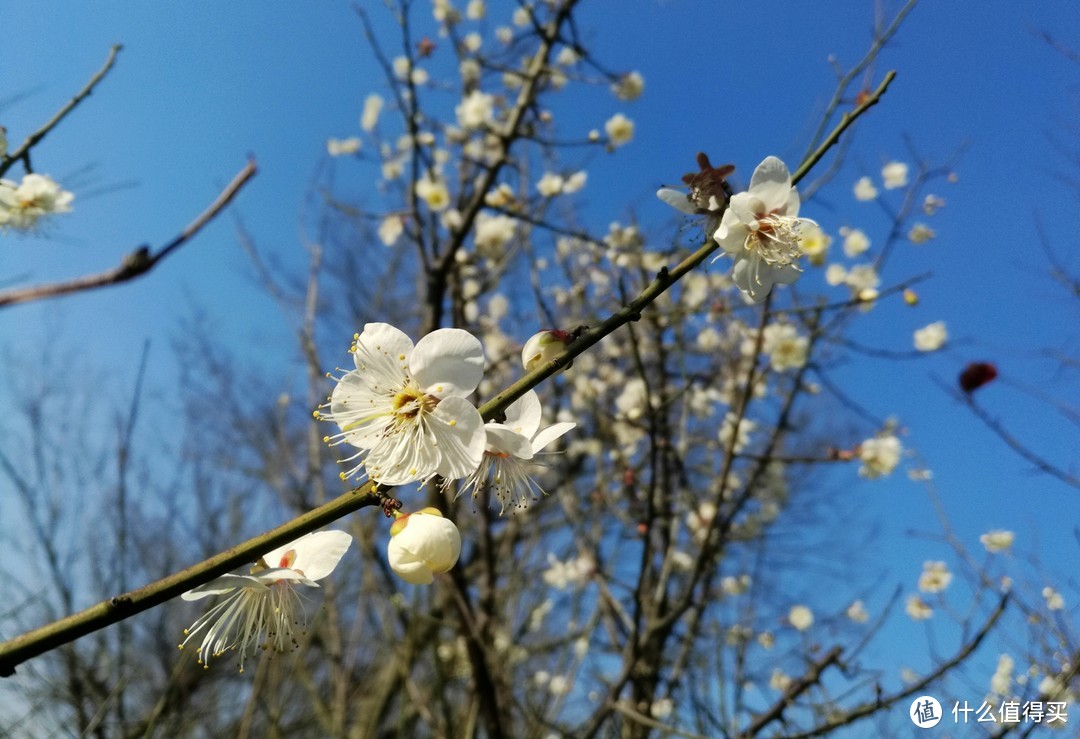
[(200, 85)]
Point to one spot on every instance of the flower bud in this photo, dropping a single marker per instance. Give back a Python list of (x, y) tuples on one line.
[(423, 544), (543, 347)]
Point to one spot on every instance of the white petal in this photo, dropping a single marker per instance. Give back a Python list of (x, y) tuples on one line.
[(771, 182), (550, 434), (407, 454), (732, 233), (677, 199), (383, 340), (223, 584), (458, 431), (317, 553), (523, 415), (507, 441), (448, 362), (406, 564), (792, 206)]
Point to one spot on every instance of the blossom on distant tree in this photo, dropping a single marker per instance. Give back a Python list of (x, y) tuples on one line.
[(1054, 601), (262, 609), (760, 230), (23, 203), (856, 241), (629, 87), (920, 233), (879, 456), (894, 175), (390, 229), (475, 110), (998, 540), (865, 190), (550, 184), (511, 447), (342, 147), (620, 130), (433, 191), (573, 572), (932, 337), (918, 609), (801, 617), (369, 118), (404, 407), (492, 232), (785, 347), (423, 544), (935, 577), (857, 612), (814, 243)]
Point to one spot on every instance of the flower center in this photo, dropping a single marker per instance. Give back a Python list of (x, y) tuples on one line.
[(411, 401), (776, 239)]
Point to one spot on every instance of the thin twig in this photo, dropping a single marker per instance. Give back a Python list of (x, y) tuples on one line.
[(138, 262), (845, 120), (23, 152)]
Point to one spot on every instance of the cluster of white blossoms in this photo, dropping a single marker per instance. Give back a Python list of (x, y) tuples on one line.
[(404, 409), (262, 610), (23, 204)]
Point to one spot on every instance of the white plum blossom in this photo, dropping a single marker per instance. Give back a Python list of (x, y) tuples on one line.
[(572, 572), (1054, 601), (342, 147), (932, 337), (935, 577), (857, 612), (629, 87), (729, 439), (620, 130), (814, 243), (779, 680), (856, 241), (801, 617), (931, 204), (661, 708), (423, 544), (575, 182), (475, 110), (511, 447), (865, 190), (920, 233), (918, 609), (894, 175), (433, 191), (263, 609), (785, 347), (369, 118), (23, 203), (404, 407), (998, 540), (760, 230), (879, 456), (390, 229), (1001, 680), (550, 184), (492, 233), (475, 10)]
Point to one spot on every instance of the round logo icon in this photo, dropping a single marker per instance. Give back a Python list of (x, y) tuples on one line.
[(925, 711)]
